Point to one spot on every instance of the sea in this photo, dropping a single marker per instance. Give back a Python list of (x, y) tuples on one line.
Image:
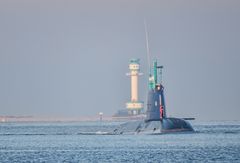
[(215, 141)]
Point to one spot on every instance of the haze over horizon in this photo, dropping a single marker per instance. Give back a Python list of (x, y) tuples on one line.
[(69, 58)]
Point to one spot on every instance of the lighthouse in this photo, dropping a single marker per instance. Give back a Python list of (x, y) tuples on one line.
[(134, 106)]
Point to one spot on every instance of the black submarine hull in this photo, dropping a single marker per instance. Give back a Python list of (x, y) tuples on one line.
[(175, 125), (156, 120), (166, 125)]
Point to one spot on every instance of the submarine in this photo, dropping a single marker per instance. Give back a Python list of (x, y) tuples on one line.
[(156, 120)]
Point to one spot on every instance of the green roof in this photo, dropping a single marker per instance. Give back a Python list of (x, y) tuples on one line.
[(135, 61)]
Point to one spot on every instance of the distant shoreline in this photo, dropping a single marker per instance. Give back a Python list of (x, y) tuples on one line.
[(50, 119), (4, 119)]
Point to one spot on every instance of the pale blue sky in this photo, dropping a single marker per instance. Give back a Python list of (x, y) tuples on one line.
[(69, 58)]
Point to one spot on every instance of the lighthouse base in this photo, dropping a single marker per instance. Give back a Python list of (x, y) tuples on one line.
[(134, 112), (134, 108)]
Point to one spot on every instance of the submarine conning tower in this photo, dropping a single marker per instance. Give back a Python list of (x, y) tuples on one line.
[(156, 108), (135, 106)]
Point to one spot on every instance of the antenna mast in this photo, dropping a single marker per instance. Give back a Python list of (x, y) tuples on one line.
[(147, 46)]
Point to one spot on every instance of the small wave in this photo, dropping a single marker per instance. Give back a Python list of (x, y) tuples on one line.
[(95, 133), (216, 132), (231, 132), (23, 134), (43, 134)]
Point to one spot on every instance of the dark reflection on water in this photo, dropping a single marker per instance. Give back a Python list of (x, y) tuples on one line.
[(91, 142)]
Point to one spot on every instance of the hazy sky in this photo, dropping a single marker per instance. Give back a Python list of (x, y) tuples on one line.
[(69, 58)]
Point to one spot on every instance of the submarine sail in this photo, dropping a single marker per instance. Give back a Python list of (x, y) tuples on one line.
[(156, 108)]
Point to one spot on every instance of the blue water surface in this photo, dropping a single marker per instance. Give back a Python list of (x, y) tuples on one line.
[(81, 142)]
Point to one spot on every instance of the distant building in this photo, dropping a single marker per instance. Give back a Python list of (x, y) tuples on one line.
[(135, 106)]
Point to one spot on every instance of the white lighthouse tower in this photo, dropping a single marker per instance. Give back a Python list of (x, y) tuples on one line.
[(134, 106)]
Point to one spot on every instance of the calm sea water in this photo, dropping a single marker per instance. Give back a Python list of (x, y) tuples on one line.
[(77, 142)]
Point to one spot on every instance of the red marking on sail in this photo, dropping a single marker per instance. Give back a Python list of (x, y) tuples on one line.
[(161, 111)]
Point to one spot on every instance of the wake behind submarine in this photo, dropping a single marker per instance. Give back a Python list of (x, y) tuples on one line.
[(156, 120)]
